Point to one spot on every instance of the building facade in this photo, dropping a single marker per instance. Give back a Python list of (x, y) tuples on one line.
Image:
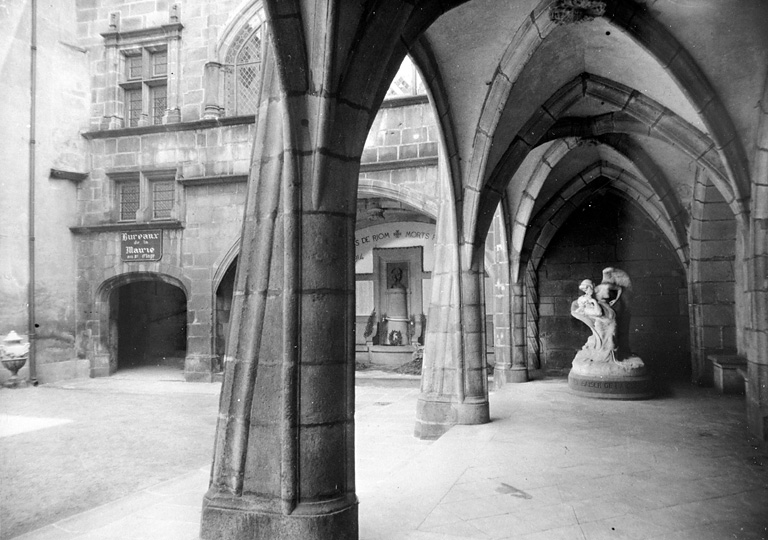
[(270, 193), (146, 182)]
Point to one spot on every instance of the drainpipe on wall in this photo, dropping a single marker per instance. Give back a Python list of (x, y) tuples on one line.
[(32, 143)]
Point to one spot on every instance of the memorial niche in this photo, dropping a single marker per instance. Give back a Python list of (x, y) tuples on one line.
[(605, 367), (397, 329)]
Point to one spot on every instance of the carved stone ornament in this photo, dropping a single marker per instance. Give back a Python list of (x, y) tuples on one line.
[(575, 11)]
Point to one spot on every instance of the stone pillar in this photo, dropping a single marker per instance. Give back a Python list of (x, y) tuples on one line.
[(173, 32), (519, 371), (454, 380), (113, 105), (197, 364), (212, 107), (756, 256), (284, 452), (757, 357), (532, 315)]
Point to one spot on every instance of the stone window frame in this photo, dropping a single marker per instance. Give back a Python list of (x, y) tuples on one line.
[(146, 84), (120, 47), (150, 208), (235, 100), (218, 72)]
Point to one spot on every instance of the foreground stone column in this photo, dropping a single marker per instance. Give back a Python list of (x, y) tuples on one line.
[(284, 453)]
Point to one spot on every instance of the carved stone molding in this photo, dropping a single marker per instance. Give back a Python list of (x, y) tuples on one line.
[(575, 11)]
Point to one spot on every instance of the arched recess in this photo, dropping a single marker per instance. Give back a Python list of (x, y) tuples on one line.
[(639, 116), (658, 275), (222, 292), (653, 184), (550, 219), (635, 20), (107, 305)]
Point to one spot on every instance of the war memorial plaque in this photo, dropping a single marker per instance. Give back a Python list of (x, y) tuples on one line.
[(141, 245)]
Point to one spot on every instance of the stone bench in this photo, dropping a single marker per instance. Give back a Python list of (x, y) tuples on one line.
[(729, 371)]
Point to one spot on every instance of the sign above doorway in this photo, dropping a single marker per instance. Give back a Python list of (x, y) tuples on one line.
[(141, 245)]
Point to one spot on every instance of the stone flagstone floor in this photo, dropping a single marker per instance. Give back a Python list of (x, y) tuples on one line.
[(549, 466)]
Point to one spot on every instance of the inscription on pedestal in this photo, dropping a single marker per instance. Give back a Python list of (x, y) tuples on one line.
[(633, 388)]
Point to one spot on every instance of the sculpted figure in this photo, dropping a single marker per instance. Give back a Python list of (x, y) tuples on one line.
[(595, 312), (619, 295), (605, 309), (604, 367)]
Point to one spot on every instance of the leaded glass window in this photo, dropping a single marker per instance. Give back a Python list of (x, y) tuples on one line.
[(243, 72), (129, 200), (159, 64), (159, 97), (133, 67), (145, 88), (147, 195), (133, 106), (162, 199)]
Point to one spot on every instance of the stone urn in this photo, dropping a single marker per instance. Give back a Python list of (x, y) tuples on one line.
[(13, 355)]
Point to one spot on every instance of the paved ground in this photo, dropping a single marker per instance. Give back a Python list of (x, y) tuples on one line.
[(549, 466)]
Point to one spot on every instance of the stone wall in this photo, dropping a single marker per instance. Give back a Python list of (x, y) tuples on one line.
[(61, 109), (609, 231), (402, 132)]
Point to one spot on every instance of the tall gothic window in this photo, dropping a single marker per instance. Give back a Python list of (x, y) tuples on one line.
[(243, 72)]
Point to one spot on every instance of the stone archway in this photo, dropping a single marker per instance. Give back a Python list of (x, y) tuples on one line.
[(607, 228), (132, 308)]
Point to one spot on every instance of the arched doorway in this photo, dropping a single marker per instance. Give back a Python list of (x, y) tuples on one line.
[(223, 306), (148, 324)]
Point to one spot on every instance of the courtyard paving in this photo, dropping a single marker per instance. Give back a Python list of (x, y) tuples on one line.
[(549, 466)]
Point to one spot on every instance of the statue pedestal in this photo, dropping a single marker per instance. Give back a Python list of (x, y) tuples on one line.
[(628, 379)]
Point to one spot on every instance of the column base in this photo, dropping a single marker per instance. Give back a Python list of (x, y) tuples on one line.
[(504, 375), (220, 522), (198, 368), (435, 416)]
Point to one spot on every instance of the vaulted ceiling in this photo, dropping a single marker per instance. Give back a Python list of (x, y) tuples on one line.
[(664, 90)]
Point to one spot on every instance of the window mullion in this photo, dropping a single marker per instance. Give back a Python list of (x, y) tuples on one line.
[(144, 197)]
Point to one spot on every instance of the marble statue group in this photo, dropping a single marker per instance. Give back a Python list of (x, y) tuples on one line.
[(605, 366)]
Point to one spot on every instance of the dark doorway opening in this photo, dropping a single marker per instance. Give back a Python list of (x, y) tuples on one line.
[(224, 294), (151, 319)]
